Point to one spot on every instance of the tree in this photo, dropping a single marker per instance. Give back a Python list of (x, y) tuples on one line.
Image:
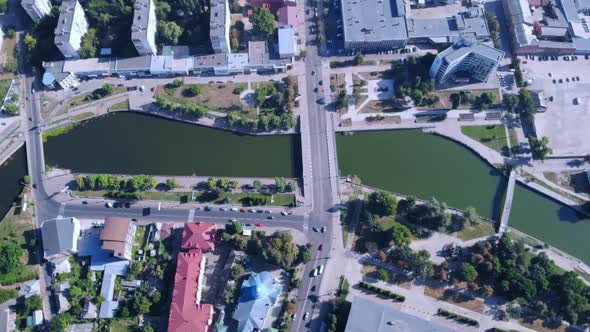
[(195, 89), (11, 109), (280, 184), (540, 148), (358, 59), (382, 203), (510, 102), (400, 234), (89, 44), (10, 33), (33, 303), (169, 32), (382, 274), (10, 254), (58, 323), (107, 89), (3, 6), (234, 228), (162, 9), (280, 249), (237, 272), (467, 272), (30, 43), (471, 215), (257, 184), (234, 38), (263, 21), (171, 183), (141, 304)]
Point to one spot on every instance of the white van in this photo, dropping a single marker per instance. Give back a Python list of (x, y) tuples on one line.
[(321, 269), (315, 272)]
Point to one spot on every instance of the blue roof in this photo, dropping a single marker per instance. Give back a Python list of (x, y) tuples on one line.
[(257, 296)]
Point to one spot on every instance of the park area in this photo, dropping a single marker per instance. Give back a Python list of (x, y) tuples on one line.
[(492, 136), (221, 97)]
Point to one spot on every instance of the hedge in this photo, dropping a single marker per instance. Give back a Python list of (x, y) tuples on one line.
[(382, 292), (458, 318)]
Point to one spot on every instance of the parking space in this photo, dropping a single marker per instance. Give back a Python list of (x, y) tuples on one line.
[(566, 88)]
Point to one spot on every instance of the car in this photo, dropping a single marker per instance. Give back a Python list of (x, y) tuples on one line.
[(134, 219), (321, 83), (324, 229), (222, 209), (207, 208), (252, 210), (108, 204), (284, 213), (116, 205), (243, 210), (270, 217), (235, 209), (127, 205), (315, 89), (34, 186), (259, 225), (259, 211), (267, 211), (313, 288), (232, 220), (315, 229), (312, 72), (321, 247), (306, 316), (249, 225), (84, 202)]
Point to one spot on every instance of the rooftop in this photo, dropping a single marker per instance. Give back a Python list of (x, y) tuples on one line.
[(60, 235), (217, 18), (66, 20), (374, 20), (258, 294), (187, 314), (198, 236), (141, 18), (369, 316), (461, 49), (286, 40), (287, 15)]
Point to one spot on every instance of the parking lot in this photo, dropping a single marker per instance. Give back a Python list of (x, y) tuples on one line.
[(567, 119)]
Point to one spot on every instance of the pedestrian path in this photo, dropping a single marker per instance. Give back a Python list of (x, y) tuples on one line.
[(507, 202)]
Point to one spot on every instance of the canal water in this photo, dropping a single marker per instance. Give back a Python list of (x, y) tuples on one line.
[(424, 165), (134, 143), (11, 175), (410, 162)]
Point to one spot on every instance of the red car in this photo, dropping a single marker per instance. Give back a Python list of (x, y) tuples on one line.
[(320, 247), (243, 210), (259, 225)]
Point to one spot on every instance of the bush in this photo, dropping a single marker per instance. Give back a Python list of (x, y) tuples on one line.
[(382, 292), (239, 89), (458, 318)]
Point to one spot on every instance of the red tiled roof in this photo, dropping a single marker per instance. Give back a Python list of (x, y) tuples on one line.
[(187, 314), (198, 236)]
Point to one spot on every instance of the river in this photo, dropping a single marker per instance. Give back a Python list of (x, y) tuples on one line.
[(414, 163), (134, 143), (11, 175)]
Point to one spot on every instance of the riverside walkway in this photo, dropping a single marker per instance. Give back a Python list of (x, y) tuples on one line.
[(507, 202)]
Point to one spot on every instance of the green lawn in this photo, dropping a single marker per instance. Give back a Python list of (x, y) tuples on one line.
[(493, 136), (18, 228), (122, 105), (481, 229), (184, 196), (81, 99), (445, 97), (4, 85), (82, 116)]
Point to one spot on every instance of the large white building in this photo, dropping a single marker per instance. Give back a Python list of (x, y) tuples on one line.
[(36, 8), (71, 27), (143, 30), (219, 23), (466, 57)]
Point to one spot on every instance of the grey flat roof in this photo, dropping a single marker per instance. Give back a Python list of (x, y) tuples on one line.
[(570, 10), (141, 17), (58, 235), (370, 316), (286, 40), (257, 52), (136, 63), (65, 21), (451, 27), (374, 20), (217, 17)]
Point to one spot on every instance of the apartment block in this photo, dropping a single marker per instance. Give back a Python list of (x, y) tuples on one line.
[(36, 8), (71, 27), (143, 30), (219, 24), (466, 58)]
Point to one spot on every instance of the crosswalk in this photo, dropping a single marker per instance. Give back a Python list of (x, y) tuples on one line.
[(191, 215)]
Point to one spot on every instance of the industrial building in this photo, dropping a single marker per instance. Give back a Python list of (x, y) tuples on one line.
[(219, 23), (547, 26), (466, 58), (71, 27), (143, 30), (383, 25), (286, 42), (36, 9)]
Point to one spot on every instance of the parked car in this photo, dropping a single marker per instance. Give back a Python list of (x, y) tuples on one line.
[(321, 247), (243, 210), (259, 225), (207, 208), (324, 229), (270, 217)]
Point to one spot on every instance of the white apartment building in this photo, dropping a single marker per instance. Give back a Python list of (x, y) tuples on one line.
[(468, 57), (143, 30), (219, 23), (71, 27), (36, 8)]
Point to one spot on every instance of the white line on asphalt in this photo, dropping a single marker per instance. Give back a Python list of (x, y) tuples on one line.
[(191, 215), (62, 207)]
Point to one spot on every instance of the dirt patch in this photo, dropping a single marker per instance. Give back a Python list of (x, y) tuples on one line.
[(379, 119), (455, 297), (216, 96), (539, 325), (574, 181), (381, 106)]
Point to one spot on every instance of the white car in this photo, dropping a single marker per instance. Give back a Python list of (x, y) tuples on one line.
[(284, 213), (234, 209), (306, 316)]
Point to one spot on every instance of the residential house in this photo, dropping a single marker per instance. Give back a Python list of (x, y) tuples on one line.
[(219, 24), (143, 30), (36, 9), (60, 238), (287, 15), (118, 236), (71, 27)]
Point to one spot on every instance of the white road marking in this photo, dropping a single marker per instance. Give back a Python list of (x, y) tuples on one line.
[(191, 215), (62, 207)]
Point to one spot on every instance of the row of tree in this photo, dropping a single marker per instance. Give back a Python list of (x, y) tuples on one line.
[(189, 108), (111, 182)]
